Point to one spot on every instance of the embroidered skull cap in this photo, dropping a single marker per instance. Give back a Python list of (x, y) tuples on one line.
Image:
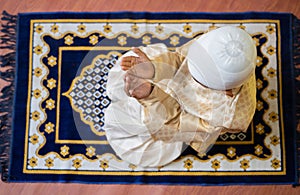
[(223, 58)]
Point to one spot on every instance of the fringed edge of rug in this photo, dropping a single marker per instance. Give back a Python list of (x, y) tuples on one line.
[(7, 73), (296, 56)]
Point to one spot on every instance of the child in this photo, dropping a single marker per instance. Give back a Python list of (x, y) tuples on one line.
[(162, 100)]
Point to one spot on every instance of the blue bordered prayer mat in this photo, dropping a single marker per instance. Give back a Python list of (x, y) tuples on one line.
[(55, 68)]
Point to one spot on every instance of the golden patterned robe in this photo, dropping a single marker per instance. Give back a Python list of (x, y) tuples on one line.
[(151, 131)]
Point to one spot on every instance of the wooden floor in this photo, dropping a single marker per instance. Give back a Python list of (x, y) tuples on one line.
[(16, 6)]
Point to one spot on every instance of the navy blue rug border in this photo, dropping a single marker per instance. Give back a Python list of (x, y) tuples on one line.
[(289, 99)]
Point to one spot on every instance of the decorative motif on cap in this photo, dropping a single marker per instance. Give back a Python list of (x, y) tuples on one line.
[(234, 48)]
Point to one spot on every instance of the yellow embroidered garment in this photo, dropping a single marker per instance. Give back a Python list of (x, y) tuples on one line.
[(179, 110)]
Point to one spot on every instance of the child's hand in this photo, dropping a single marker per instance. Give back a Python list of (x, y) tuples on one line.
[(136, 87), (140, 66), (138, 70)]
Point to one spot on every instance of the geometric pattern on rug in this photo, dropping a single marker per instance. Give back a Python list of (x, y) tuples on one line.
[(91, 47)]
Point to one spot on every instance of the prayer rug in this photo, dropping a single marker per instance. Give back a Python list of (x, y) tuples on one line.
[(58, 71)]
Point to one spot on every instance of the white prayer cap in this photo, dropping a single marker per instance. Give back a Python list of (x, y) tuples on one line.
[(223, 58)]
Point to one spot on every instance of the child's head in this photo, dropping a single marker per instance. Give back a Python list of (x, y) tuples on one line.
[(222, 59)]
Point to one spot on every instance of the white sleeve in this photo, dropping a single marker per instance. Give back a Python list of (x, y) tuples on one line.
[(126, 132), (131, 140)]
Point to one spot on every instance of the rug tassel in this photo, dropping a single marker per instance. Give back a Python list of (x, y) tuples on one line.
[(296, 51), (7, 63)]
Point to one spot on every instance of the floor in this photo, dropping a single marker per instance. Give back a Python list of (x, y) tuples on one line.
[(16, 6)]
